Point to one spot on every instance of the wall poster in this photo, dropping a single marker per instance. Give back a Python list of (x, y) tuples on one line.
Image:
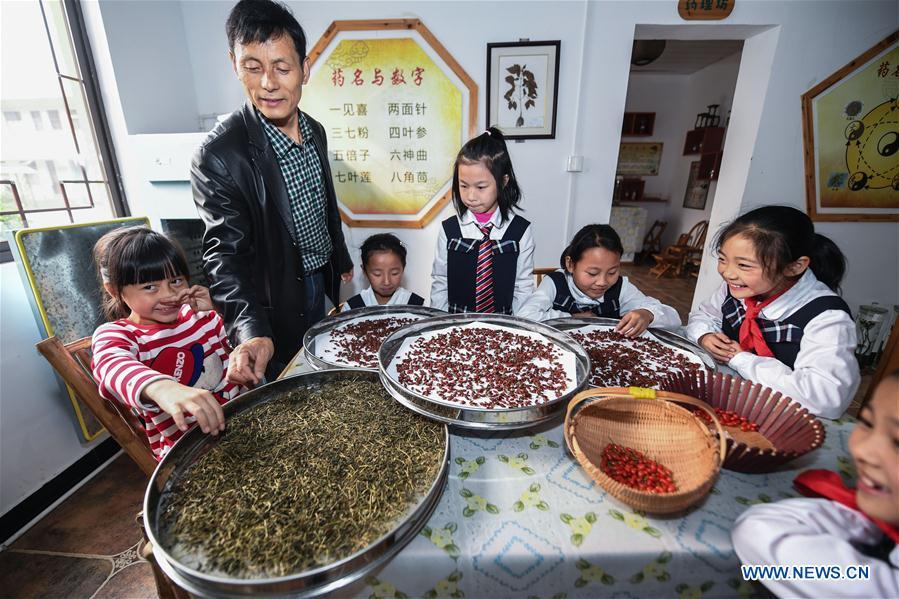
[(396, 108), (638, 159), (851, 139)]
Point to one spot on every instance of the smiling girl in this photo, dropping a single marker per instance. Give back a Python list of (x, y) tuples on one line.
[(777, 319), (590, 284), (838, 526), (165, 352), (485, 254)]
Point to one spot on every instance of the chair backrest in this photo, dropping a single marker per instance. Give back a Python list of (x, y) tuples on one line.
[(696, 236), (539, 273), (652, 241), (72, 362)]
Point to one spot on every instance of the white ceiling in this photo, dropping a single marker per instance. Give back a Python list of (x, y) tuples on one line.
[(683, 57)]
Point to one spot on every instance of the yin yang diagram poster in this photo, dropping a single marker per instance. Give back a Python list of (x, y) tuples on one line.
[(851, 131)]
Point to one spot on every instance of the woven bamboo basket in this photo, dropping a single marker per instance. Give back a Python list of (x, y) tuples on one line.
[(784, 422), (663, 431)]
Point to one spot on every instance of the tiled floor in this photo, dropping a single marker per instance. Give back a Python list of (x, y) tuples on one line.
[(676, 292), (87, 546)]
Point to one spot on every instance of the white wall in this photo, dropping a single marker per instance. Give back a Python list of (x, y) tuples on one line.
[(153, 68), (38, 434), (145, 46), (676, 100)]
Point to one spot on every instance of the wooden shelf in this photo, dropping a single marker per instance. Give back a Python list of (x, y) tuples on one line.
[(638, 124)]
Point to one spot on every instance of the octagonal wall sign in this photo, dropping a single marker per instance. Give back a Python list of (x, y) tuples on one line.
[(396, 108)]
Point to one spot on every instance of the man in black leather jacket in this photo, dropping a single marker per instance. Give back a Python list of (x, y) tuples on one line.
[(262, 184)]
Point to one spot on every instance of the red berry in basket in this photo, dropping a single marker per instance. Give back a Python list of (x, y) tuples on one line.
[(727, 418), (630, 467)]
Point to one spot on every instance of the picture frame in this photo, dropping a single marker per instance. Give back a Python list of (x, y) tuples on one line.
[(639, 158), (697, 190), (522, 88), (849, 140)]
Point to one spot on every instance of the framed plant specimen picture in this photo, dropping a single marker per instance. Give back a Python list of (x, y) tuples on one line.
[(522, 88)]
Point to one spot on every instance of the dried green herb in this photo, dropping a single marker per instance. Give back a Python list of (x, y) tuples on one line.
[(302, 481)]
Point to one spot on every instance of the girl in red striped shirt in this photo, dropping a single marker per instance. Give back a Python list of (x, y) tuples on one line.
[(165, 351)]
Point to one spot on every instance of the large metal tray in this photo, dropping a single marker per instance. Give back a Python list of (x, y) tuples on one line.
[(479, 418), (672, 339), (332, 322), (308, 583)]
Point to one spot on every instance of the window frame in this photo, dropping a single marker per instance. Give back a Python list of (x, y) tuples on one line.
[(94, 100)]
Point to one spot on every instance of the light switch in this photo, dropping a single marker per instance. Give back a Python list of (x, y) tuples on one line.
[(575, 164)]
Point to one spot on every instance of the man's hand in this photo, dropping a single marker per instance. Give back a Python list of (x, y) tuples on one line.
[(176, 399), (248, 361), (347, 276), (634, 322), (722, 347)]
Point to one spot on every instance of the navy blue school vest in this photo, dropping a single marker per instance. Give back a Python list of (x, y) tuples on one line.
[(357, 302), (782, 336), (462, 261), (564, 301)]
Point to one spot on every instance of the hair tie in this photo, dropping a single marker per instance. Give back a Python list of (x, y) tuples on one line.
[(487, 131)]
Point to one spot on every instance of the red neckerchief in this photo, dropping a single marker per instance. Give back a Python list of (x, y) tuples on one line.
[(751, 338), (829, 485)]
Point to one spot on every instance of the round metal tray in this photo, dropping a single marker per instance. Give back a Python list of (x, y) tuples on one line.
[(332, 322), (673, 339), (472, 417), (309, 583)]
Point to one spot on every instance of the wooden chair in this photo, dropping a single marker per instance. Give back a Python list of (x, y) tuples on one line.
[(675, 256), (889, 361), (72, 361), (539, 273), (652, 241)]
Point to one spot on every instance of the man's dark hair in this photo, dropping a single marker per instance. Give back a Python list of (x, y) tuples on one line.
[(257, 21)]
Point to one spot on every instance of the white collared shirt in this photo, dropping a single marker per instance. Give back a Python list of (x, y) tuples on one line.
[(814, 532), (540, 305), (524, 275), (824, 377), (400, 297)]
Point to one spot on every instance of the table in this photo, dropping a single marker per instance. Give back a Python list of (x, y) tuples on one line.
[(519, 518)]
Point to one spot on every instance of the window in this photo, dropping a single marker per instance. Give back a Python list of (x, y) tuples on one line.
[(61, 170), (53, 115), (37, 119)]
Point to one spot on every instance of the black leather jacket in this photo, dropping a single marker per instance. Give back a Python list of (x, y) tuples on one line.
[(249, 248)]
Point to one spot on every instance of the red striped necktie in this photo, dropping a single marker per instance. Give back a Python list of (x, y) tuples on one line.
[(483, 294)]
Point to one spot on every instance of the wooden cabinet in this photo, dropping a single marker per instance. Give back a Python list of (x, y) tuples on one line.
[(708, 142), (638, 124), (628, 190), (704, 141)]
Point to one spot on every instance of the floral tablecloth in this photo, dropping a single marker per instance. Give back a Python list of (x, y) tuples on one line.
[(519, 518)]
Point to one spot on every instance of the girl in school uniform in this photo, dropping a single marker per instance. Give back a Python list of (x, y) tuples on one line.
[(383, 264), (485, 253), (777, 319), (590, 284), (835, 525)]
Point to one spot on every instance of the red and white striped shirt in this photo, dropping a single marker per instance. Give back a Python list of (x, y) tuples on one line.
[(193, 351)]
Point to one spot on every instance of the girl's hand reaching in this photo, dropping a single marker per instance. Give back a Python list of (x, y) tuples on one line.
[(722, 347), (198, 298), (634, 322), (180, 401)]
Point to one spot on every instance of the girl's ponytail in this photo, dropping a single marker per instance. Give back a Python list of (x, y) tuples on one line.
[(827, 262)]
